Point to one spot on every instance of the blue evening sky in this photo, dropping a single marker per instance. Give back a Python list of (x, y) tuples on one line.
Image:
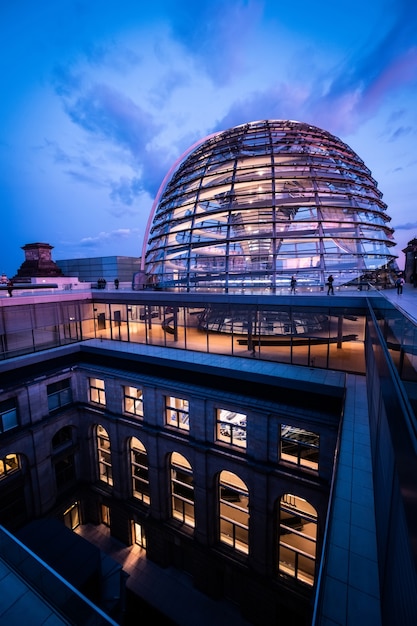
[(100, 97)]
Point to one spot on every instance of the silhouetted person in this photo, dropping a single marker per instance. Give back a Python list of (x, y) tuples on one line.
[(399, 284), (293, 284), (116, 283), (330, 289), (10, 288)]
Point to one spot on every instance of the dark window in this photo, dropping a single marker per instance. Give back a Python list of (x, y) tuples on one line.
[(62, 437), (65, 471), (8, 415), (59, 394)]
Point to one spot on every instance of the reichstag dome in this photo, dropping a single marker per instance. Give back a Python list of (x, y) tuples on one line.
[(249, 207)]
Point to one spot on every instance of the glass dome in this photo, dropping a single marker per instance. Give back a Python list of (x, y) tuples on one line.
[(249, 207)]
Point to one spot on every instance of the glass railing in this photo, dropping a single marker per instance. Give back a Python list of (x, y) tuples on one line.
[(67, 601), (399, 333)]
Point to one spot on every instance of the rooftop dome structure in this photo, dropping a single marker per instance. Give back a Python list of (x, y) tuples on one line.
[(249, 207)]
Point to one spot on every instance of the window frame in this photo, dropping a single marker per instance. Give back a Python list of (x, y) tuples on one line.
[(229, 509), (104, 456), (182, 491), (62, 394), (14, 465), (95, 390), (139, 471), (291, 531), (173, 413), (8, 409), (231, 432), (137, 402), (302, 448)]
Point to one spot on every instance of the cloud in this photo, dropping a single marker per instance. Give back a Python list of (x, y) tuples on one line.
[(364, 82), (105, 237), (401, 131), (282, 101), (167, 85), (107, 113), (109, 116), (126, 190), (65, 80), (84, 178), (217, 34), (406, 226)]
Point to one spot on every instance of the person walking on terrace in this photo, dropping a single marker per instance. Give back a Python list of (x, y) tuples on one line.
[(293, 284), (399, 284), (330, 289)]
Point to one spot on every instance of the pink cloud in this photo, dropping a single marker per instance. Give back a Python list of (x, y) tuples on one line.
[(397, 74)]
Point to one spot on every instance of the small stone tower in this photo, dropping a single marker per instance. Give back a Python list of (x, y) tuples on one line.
[(410, 259), (38, 263)]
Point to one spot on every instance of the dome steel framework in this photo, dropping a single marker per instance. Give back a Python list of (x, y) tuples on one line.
[(249, 207)]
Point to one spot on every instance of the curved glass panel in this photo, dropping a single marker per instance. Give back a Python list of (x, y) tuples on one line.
[(253, 205)]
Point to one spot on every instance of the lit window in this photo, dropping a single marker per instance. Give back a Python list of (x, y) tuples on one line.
[(140, 476), (8, 415), (297, 539), (72, 518), (182, 490), (8, 465), (231, 427), (97, 392), (133, 401), (105, 514), (300, 446), (104, 456), (177, 412), (234, 512), (139, 535), (59, 394)]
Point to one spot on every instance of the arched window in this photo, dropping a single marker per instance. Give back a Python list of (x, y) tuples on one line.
[(182, 490), (234, 511), (62, 437), (139, 468), (9, 464), (297, 538), (104, 455)]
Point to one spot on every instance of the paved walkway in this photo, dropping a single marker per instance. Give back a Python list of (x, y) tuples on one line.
[(350, 587), (406, 302), (168, 591)]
